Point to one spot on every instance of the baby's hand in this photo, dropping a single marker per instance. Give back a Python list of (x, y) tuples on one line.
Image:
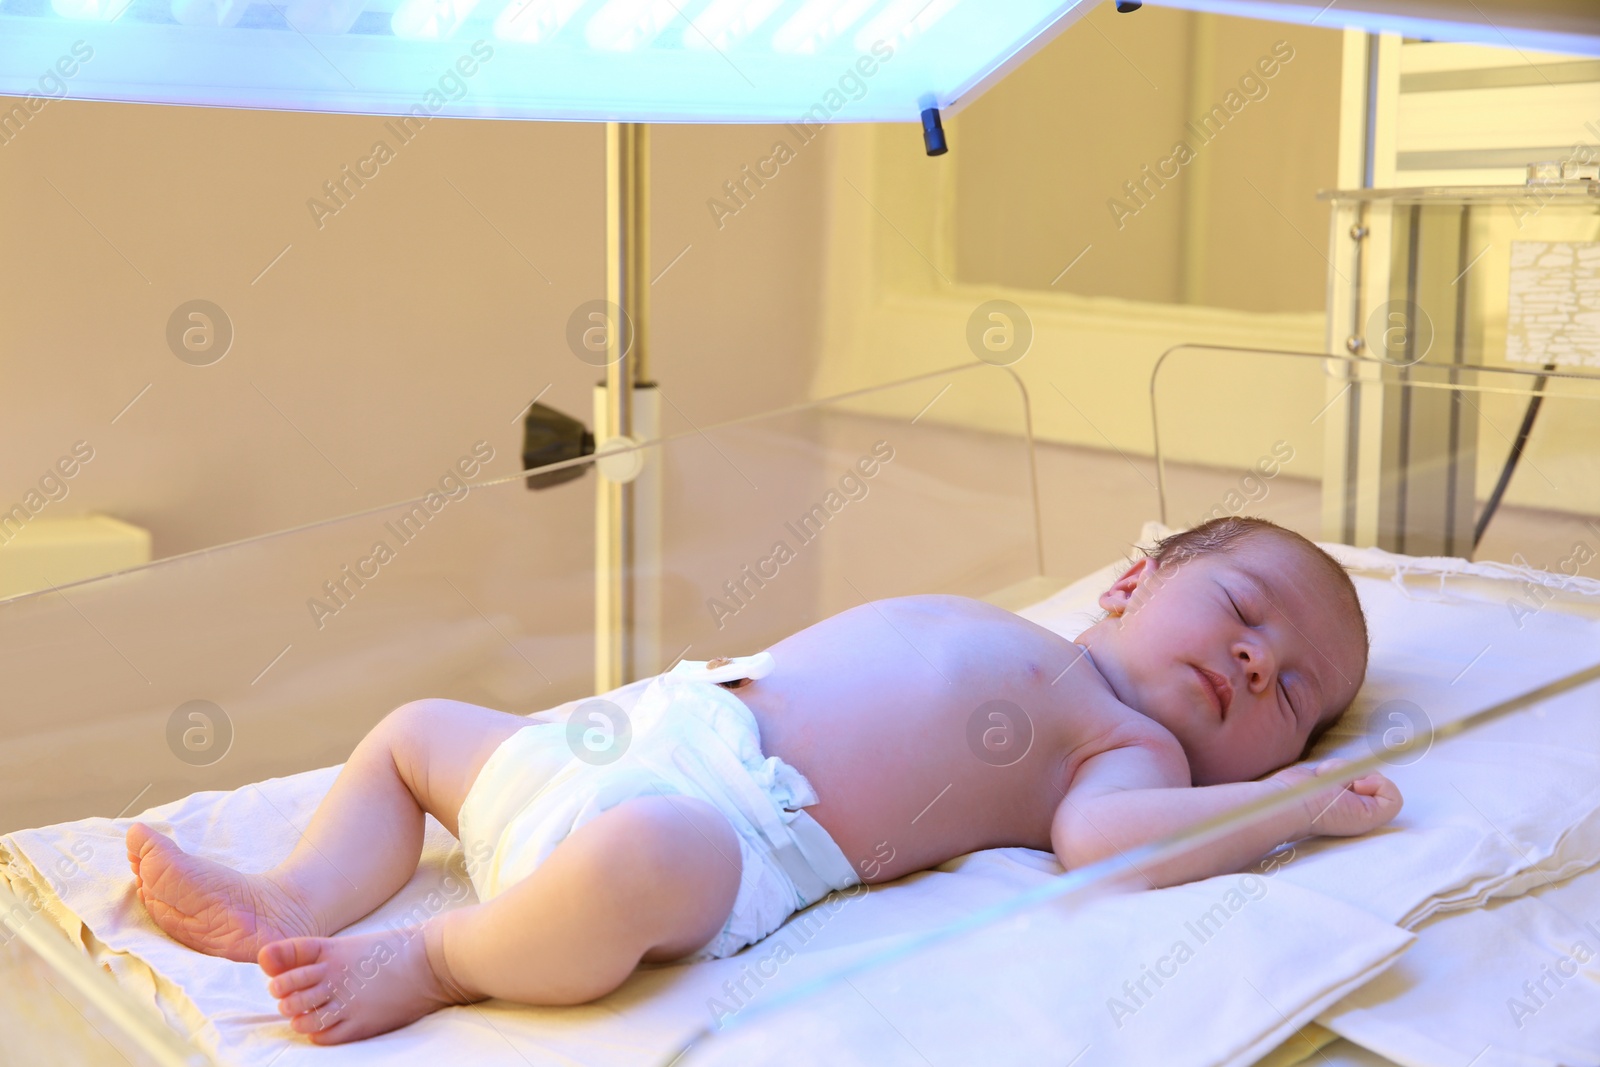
[(1348, 809)]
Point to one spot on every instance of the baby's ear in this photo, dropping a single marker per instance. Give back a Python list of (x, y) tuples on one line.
[(1115, 600)]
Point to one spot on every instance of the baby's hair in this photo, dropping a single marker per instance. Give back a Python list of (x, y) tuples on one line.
[(1227, 533)]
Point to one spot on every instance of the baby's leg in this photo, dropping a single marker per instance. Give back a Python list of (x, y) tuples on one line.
[(361, 846), (654, 878)]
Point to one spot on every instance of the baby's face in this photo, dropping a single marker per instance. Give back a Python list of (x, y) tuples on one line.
[(1240, 654)]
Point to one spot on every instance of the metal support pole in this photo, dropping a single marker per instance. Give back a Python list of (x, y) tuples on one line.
[(627, 363), (1401, 462)]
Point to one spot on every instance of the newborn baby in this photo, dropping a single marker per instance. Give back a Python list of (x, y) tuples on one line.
[(887, 739)]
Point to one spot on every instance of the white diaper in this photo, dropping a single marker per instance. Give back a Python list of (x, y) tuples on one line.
[(688, 738)]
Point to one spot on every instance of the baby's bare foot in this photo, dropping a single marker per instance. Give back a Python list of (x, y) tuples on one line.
[(209, 907), (337, 989)]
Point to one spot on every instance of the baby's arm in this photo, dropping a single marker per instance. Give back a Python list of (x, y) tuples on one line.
[(1138, 793)]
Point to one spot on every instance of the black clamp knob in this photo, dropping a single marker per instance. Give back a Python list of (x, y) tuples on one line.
[(933, 132)]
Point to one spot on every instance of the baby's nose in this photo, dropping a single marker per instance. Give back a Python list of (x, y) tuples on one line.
[(1257, 668)]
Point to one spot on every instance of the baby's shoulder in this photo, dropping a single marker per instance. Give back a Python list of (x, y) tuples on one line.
[(1105, 722)]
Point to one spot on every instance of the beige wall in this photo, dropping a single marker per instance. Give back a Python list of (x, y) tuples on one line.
[(1038, 156), (416, 321), (1041, 158), (411, 325), (1262, 236), (426, 313)]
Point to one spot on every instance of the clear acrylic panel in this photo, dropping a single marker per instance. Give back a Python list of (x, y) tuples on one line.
[(1264, 454), (1307, 433), (276, 654), (58, 1007), (102, 673)]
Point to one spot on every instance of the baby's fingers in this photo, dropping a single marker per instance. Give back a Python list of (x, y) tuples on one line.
[(1379, 795), (1369, 785), (1376, 785)]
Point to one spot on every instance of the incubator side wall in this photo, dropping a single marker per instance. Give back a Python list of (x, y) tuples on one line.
[(391, 335)]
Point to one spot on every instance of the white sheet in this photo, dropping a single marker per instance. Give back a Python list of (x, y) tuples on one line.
[(1506, 810), (1053, 987), (1485, 815), (1507, 807), (1492, 813), (1022, 992), (1531, 997)]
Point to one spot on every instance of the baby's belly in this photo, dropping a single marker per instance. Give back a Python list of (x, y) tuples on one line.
[(903, 789), (886, 709)]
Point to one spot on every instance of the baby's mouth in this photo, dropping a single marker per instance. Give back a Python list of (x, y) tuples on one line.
[(1218, 690)]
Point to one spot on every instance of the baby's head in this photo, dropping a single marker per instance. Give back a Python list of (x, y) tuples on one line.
[(1242, 638)]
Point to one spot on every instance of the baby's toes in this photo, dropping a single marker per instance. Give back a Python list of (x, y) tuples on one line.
[(141, 839), (133, 856), (318, 1021), (301, 1001), (278, 957), (296, 979)]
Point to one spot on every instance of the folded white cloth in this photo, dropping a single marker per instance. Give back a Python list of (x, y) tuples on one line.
[(1514, 984), (1491, 813), (1214, 972), (1038, 988)]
